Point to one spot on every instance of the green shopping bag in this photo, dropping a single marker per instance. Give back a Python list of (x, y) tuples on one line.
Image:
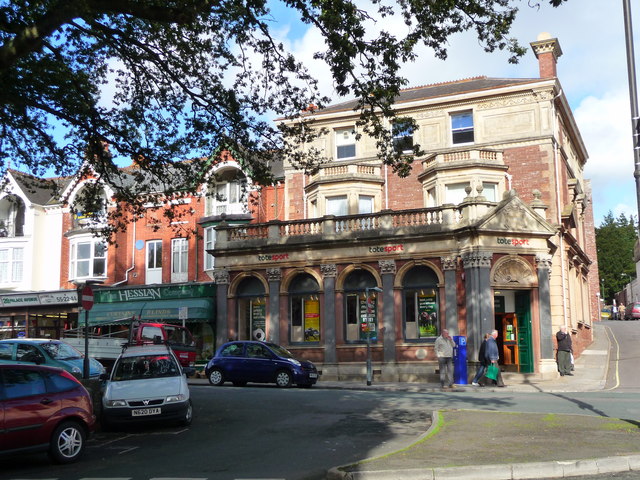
[(492, 372)]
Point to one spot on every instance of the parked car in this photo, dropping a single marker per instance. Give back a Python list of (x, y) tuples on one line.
[(241, 362), (605, 313), (44, 409), (52, 353), (632, 311), (146, 383)]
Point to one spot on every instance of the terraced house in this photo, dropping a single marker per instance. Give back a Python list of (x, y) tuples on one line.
[(493, 228)]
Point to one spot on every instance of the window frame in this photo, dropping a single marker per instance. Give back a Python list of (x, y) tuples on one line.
[(341, 142), (459, 134), (91, 259), (13, 266), (180, 249), (402, 133), (209, 240)]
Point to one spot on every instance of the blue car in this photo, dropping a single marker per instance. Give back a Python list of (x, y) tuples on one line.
[(242, 362), (51, 353)]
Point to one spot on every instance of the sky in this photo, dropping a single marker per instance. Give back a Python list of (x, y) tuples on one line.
[(592, 72)]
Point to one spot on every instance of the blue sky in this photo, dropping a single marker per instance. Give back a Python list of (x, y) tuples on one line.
[(592, 71)]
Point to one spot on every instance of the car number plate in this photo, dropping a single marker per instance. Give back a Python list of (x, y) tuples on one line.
[(313, 375), (143, 412)]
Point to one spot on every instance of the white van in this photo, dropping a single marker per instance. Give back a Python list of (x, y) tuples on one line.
[(146, 384)]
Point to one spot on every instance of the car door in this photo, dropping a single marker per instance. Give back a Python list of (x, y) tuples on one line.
[(260, 366), (231, 362), (6, 352), (27, 406), (29, 354)]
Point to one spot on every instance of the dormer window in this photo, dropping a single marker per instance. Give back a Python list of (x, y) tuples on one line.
[(12, 211), (227, 195), (90, 206), (345, 143), (462, 127)]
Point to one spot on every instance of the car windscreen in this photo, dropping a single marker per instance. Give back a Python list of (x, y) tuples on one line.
[(145, 366), (61, 351), (280, 351)]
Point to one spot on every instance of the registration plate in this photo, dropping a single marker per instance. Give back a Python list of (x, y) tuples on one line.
[(143, 412), (313, 375)]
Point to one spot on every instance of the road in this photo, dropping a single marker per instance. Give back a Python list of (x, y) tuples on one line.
[(268, 433)]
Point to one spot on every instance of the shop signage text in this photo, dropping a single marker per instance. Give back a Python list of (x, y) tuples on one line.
[(273, 258), (513, 241), (387, 249), (48, 298), (107, 295)]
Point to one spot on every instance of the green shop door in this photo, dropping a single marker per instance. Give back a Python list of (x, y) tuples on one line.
[(523, 313)]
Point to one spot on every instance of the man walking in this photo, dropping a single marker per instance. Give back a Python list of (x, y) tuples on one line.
[(492, 355), (444, 351), (564, 351)]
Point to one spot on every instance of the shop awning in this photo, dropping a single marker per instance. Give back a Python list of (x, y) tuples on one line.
[(192, 309)]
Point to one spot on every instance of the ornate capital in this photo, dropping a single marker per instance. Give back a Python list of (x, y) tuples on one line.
[(387, 266), (449, 263), (221, 277), (544, 261), (329, 270), (477, 260), (274, 274)]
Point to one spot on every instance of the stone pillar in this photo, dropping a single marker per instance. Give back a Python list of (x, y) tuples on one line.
[(449, 265), (389, 367), (274, 276), (547, 360), (329, 315), (221, 278), (480, 316)]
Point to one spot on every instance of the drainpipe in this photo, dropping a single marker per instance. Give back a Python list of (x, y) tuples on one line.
[(386, 187), (133, 258)]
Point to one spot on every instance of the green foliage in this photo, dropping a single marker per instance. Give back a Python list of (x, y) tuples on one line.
[(615, 241), (162, 81)]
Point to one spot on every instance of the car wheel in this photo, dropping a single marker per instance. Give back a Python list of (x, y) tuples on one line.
[(215, 377), (283, 379), (239, 384), (188, 416), (67, 442)]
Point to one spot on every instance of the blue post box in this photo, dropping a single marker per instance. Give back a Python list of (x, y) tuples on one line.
[(460, 360)]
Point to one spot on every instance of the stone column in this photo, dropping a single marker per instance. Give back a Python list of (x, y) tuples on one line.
[(480, 315), (389, 367), (329, 315), (221, 278), (274, 276), (449, 265), (547, 360)]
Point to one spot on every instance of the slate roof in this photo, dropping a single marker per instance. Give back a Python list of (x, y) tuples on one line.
[(468, 85), (39, 191)]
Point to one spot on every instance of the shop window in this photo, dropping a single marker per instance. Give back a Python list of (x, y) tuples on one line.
[(154, 262), (209, 243), (462, 128), (361, 315), (179, 257), (455, 193), (88, 259), (11, 265), (421, 306), (345, 143), (402, 136), (304, 312), (252, 310)]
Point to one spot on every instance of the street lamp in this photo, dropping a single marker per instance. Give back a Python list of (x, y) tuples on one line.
[(369, 369)]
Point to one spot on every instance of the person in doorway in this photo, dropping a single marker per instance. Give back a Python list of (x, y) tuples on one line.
[(564, 351), (492, 356), (482, 366), (444, 351)]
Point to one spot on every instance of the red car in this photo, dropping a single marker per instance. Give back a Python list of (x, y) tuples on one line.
[(44, 409)]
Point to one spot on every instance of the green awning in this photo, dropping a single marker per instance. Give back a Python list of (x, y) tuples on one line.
[(195, 309)]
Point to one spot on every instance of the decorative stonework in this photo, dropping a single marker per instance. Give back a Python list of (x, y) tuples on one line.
[(544, 261), (274, 274), (477, 260), (221, 277), (513, 270), (329, 270), (449, 263), (514, 214), (387, 266), (510, 101)]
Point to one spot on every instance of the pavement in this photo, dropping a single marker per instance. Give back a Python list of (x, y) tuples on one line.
[(510, 446)]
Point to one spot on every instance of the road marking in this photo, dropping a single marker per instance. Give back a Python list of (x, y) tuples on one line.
[(617, 359)]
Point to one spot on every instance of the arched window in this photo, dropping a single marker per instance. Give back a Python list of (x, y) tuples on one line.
[(227, 193), (12, 210), (252, 310), (90, 206), (304, 309), (421, 307), (360, 312)]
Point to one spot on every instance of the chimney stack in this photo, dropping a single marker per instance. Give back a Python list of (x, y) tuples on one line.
[(547, 52)]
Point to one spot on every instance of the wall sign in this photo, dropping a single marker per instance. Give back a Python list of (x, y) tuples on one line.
[(516, 242)]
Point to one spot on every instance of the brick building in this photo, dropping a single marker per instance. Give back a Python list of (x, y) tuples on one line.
[(493, 228)]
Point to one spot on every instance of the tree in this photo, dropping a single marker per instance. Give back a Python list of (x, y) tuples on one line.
[(615, 242), (162, 81)]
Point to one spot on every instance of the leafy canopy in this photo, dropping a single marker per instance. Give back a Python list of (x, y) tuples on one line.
[(161, 81)]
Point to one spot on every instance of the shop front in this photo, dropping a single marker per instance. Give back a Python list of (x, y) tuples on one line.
[(192, 306)]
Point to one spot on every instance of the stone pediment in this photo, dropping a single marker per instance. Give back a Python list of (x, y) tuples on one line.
[(513, 215)]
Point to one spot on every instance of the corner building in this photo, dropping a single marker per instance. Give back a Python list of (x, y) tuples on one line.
[(493, 228)]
